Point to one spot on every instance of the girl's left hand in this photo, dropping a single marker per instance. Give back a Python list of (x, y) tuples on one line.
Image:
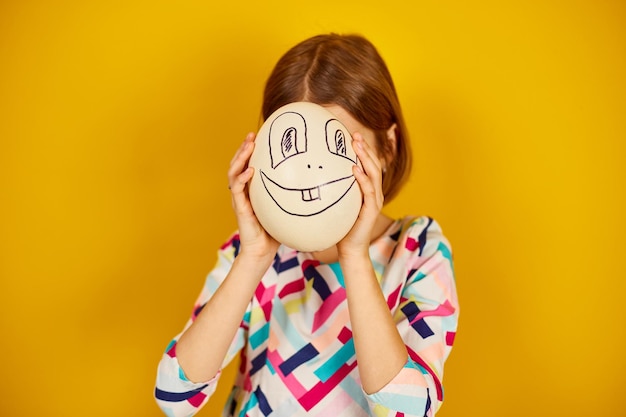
[(369, 177)]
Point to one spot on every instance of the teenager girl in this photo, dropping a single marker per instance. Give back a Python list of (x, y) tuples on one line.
[(362, 328)]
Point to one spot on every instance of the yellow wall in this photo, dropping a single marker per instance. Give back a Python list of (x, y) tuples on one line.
[(117, 122)]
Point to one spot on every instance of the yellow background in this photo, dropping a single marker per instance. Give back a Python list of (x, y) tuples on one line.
[(117, 122)]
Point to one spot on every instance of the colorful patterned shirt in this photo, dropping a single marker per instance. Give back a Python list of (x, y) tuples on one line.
[(295, 340)]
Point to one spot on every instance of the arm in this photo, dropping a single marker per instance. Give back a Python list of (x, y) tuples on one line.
[(380, 351), (400, 368), (175, 393), (201, 349), (379, 348), (190, 368), (426, 317)]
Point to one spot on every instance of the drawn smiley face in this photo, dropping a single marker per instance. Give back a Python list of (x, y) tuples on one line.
[(303, 162)]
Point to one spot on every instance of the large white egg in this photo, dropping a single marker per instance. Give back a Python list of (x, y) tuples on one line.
[(303, 190)]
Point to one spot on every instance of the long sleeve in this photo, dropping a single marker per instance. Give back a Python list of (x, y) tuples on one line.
[(174, 393), (425, 308)]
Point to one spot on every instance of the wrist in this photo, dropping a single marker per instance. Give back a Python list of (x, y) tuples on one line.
[(254, 261), (349, 255)]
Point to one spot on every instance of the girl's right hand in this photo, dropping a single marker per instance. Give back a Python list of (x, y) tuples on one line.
[(255, 241)]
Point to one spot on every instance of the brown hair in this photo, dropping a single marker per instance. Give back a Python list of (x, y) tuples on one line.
[(346, 70)]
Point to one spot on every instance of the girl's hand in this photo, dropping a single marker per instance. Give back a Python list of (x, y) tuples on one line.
[(369, 177), (255, 241)]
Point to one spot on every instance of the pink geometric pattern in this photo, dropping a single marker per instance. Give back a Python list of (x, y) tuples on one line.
[(295, 340)]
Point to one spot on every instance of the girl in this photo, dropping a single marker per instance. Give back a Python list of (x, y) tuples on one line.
[(362, 328)]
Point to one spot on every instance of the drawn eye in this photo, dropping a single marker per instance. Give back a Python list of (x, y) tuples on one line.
[(287, 137), (336, 139), (288, 144), (340, 142)]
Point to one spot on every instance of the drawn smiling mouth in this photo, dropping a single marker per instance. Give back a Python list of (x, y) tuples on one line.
[(307, 201)]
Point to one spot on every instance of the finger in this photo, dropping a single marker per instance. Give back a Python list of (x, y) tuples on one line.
[(243, 148), (368, 156), (239, 182), (240, 162), (372, 195), (240, 200), (370, 165), (249, 138), (370, 175)]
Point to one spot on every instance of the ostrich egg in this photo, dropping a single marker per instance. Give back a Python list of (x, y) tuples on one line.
[(303, 190)]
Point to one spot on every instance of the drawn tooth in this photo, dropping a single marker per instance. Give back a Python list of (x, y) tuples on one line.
[(315, 193), (310, 194)]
